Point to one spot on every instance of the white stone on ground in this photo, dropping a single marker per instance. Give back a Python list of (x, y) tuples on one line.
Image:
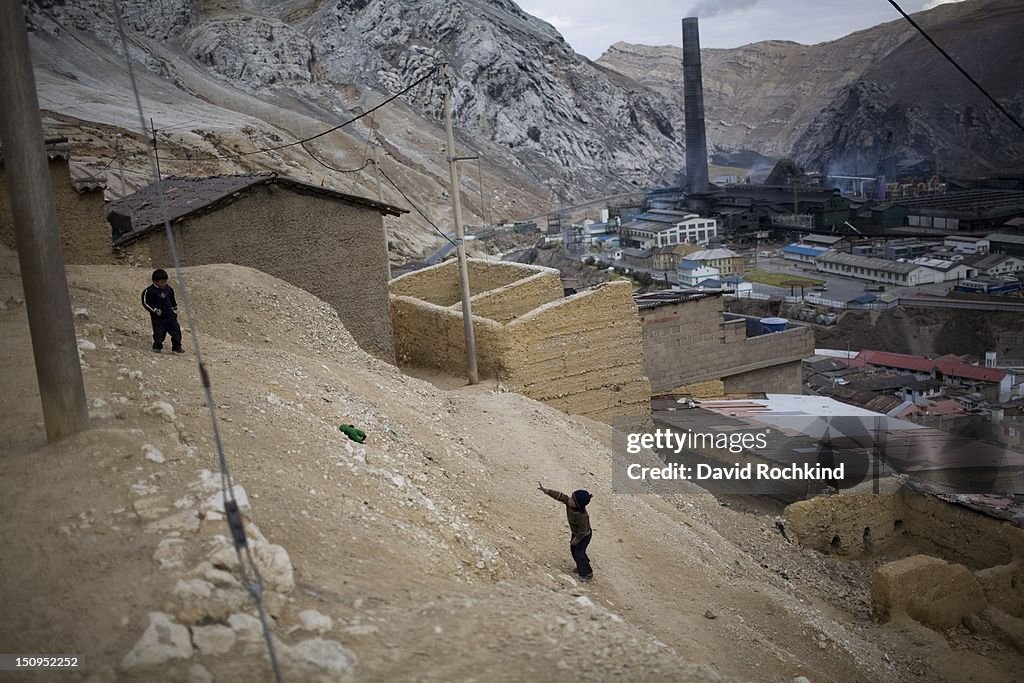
[(153, 453), (213, 640), (327, 655), (315, 621), (163, 409), (162, 641)]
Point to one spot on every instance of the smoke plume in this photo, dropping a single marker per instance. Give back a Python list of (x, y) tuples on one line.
[(713, 8)]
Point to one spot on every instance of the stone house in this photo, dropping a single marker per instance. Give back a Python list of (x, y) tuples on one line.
[(329, 243), (85, 235)]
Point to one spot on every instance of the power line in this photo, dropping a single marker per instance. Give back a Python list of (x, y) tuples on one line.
[(318, 135), (959, 68), (416, 208), (332, 168)]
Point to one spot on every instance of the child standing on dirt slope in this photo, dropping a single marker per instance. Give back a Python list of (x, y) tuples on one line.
[(579, 525), (159, 300)]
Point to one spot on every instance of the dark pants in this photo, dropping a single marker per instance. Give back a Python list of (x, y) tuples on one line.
[(161, 328), (579, 554)]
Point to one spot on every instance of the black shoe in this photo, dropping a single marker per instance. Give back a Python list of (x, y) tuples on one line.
[(156, 350), (588, 577), (178, 350)]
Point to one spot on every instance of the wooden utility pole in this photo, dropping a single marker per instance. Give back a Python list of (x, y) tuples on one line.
[(460, 242), (120, 165), (383, 217), (37, 237), (156, 151)]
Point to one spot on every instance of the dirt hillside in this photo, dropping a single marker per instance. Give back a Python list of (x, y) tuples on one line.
[(424, 554)]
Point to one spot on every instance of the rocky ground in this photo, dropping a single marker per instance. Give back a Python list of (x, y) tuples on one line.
[(425, 553)]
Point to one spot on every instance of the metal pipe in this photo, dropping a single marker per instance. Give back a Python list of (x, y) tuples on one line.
[(37, 236)]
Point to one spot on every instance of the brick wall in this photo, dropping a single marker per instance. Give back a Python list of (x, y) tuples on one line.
[(786, 378), (440, 284), (690, 341), (85, 233), (432, 336), (581, 354), (332, 249), (519, 298)]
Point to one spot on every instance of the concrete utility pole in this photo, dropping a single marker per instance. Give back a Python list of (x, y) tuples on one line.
[(453, 172), (37, 237)]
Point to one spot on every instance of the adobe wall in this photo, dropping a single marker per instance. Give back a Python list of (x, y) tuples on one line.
[(689, 342), (837, 524), (329, 248), (432, 336), (440, 284), (582, 354), (519, 298), (85, 233)]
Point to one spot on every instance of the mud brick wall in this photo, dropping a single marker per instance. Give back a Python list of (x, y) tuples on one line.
[(440, 284), (519, 298), (837, 524), (431, 336), (581, 354), (690, 342), (84, 231)]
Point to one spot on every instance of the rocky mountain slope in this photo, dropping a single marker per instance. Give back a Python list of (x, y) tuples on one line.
[(831, 105), (221, 79), (425, 553)]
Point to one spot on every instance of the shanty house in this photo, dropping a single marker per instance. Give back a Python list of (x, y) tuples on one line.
[(326, 242)]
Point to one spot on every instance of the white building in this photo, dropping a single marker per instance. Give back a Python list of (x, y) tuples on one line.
[(802, 253), (998, 264), (947, 270), (875, 269), (966, 245), (663, 228), (691, 273)]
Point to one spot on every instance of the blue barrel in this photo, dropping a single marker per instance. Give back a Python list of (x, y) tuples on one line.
[(774, 324)]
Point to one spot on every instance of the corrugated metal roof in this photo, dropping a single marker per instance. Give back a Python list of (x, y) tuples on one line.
[(711, 254), (140, 213), (804, 250), (868, 262), (1002, 237)]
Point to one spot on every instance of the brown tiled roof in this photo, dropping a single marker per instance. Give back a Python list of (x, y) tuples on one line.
[(140, 213)]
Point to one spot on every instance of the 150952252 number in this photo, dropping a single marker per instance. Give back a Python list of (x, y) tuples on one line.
[(10, 662)]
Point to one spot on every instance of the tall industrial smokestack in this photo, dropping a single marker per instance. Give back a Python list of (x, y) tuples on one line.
[(693, 102)]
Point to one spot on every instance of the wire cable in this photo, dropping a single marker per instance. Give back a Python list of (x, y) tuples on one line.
[(959, 68), (231, 510), (332, 168), (312, 137), (416, 208)]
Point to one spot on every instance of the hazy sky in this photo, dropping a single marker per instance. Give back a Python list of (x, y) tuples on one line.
[(591, 26)]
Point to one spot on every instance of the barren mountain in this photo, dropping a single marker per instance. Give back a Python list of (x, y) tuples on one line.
[(222, 79), (831, 105)]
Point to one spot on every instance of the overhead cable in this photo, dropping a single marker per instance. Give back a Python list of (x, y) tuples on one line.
[(232, 514), (959, 68)]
